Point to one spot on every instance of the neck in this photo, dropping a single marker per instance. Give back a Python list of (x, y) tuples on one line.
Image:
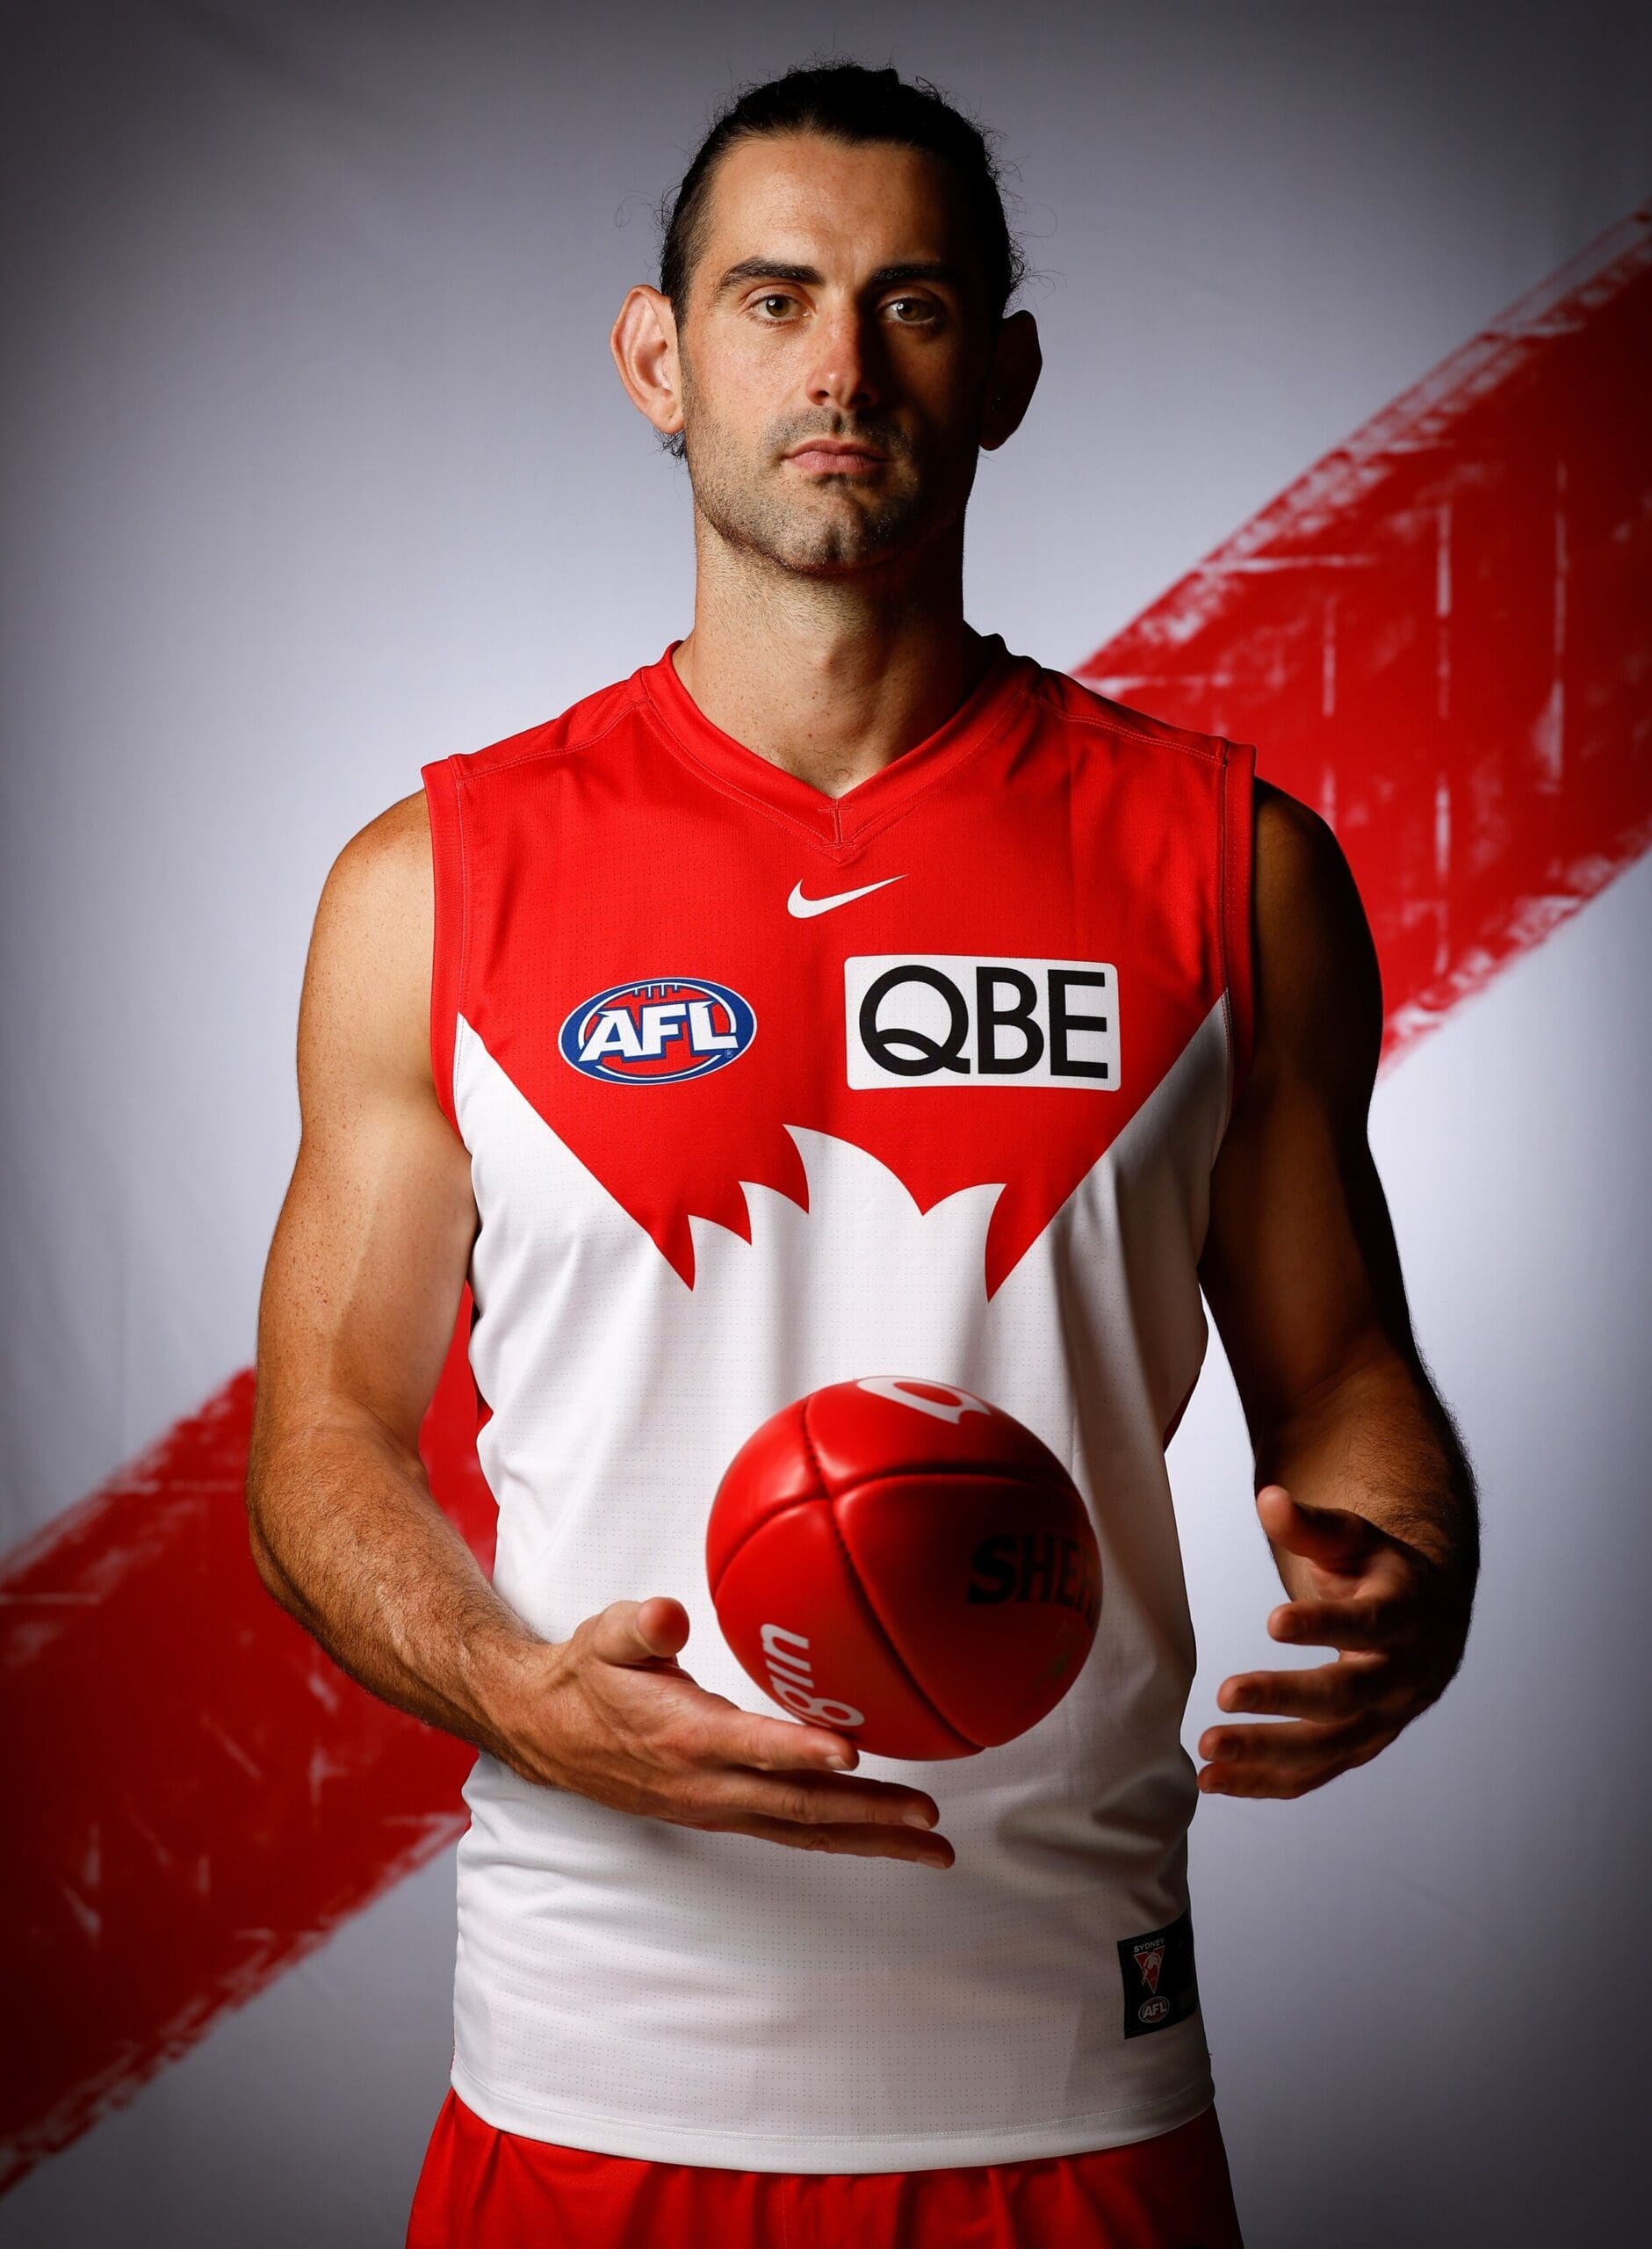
[(829, 678)]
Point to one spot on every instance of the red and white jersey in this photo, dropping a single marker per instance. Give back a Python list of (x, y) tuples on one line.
[(763, 1090)]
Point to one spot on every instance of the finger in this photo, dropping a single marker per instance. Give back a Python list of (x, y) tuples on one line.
[(639, 1631), (662, 1624), (1361, 1625), (776, 1745), (1327, 1691), (877, 1842), (1285, 1745), (685, 1724), (1237, 1776), (815, 1801), (1333, 1537), (1288, 1742), (1243, 1780)]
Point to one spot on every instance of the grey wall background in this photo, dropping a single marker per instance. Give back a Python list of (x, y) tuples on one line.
[(315, 468)]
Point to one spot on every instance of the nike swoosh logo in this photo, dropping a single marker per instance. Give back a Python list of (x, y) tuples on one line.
[(803, 908)]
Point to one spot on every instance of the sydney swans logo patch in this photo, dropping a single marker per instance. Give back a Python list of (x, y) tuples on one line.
[(658, 1030)]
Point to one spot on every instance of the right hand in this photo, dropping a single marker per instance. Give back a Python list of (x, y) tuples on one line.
[(611, 1714)]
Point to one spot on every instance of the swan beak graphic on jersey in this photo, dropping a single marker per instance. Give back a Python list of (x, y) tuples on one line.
[(803, 908)]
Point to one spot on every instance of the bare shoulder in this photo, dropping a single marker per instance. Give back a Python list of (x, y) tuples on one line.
[(390, 854), (367, 981), (382, 877), (1318, 987), (1296, 850)]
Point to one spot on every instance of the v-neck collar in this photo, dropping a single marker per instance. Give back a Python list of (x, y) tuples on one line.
[(835, 821)]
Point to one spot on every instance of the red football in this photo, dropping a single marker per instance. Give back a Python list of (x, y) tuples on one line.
[(905, 1563)]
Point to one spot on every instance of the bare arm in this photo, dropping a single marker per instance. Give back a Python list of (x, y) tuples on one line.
[(1363, 1486), (359, 1298)]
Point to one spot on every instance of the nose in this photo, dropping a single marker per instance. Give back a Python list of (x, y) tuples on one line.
[(843, 372)]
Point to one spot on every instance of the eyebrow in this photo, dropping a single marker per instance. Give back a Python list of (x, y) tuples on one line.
[(772, 268)]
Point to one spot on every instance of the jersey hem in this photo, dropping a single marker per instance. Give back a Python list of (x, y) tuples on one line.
[(649, 2141)]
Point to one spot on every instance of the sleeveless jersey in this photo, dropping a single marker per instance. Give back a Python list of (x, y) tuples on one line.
[(763, 1090)]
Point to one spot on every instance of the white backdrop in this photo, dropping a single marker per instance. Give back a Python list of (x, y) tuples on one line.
[(317, 468)]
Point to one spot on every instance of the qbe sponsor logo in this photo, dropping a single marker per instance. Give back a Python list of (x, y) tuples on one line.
[(953, 1019), (657, 1031)]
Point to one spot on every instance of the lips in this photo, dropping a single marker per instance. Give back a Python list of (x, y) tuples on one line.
[(823, 457)]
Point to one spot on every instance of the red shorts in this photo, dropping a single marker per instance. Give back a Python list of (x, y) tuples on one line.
[(481, 2188)]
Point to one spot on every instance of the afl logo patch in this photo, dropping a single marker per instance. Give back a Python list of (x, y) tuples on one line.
[(657, 1031)]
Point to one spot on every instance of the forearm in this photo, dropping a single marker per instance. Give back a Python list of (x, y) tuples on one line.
[(349, 1540), (1382, 1446)]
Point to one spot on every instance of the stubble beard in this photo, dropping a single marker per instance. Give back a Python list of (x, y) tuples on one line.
[(826, 533)]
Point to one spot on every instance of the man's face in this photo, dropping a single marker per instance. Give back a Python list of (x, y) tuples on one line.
[(809, 316)]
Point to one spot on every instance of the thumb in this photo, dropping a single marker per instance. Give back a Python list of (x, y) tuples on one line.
[(1332, 1538), (640, 1631)]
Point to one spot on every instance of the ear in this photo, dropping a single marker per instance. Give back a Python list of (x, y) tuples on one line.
[(643, 342), (1017, 361)]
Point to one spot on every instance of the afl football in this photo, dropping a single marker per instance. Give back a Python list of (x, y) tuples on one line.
[(905, 1563)]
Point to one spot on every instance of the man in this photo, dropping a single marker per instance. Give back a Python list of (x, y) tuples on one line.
[(840, 996)]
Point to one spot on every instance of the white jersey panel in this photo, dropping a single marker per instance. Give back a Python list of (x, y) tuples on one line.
[(801, 2012)]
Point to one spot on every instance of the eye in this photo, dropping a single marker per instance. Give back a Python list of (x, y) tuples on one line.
[(772, 297), (927, 308)]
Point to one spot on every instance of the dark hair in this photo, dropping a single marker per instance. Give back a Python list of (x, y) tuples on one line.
[(848, 102)]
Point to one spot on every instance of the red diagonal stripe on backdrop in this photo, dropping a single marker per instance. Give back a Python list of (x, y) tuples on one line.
[(1438, 635), (1434, 636), (212, 1795)]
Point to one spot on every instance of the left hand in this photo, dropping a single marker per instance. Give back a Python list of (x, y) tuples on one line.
[(1399, 1620)]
